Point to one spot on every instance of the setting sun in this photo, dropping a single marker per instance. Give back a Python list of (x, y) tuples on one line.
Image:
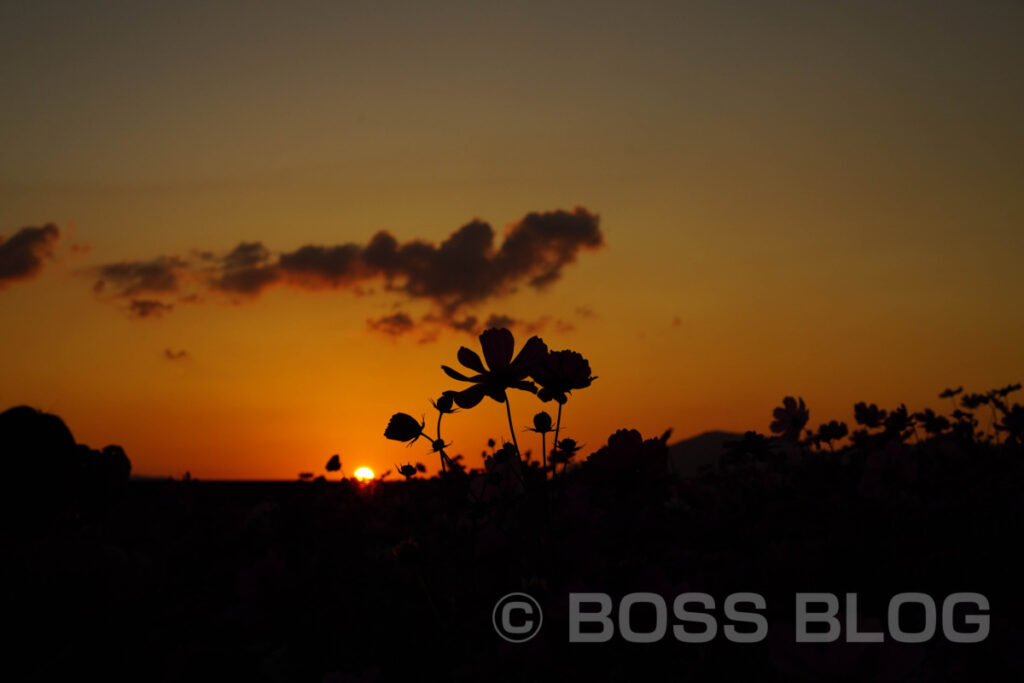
[(364, 474)]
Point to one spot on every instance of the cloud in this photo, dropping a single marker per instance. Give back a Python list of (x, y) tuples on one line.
[(393, 325), (462, 272), (171, 354), (22, 256), (463, 269), (499, 320), (247, 269), (467, 324), (127, 279), (472, 325), (148, 308)]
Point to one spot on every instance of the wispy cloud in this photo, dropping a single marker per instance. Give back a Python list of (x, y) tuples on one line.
[(148, 308), (393, 325), (462, 272), (23, 254)]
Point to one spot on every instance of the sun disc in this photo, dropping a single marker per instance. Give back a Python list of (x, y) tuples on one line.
[(364, 474)]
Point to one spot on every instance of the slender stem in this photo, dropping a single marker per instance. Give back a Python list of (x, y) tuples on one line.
[(511, 429), (558, 425), (439, 416), (992, 425), (544, 452)]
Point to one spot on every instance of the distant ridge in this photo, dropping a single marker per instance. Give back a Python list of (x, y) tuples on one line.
[(688, 456)]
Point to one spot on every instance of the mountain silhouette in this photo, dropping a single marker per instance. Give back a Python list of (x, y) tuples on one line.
[(687, 457)]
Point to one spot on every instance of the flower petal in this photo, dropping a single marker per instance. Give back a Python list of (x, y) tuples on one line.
[(470, 359), (530, 356), (525, 385), (548, 394), (468, 398), (455, 374), (497, 392), (497, 344)]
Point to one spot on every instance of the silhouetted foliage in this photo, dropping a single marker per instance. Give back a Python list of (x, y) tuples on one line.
[(328, 580), (50, 479)]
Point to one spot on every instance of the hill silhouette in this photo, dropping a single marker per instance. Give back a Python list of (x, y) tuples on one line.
[(690, 456)]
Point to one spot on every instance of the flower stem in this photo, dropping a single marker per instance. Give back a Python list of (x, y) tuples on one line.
[(439, 416), (544, 452), (511, 429), (558, 425), (992, 425)]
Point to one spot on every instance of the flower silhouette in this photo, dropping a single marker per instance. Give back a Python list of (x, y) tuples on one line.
[(870, 416), (972, 401), (933, 423), (444, 404), (1013, 422), (790, 418), (559, 373), (541, 423), (831, 431), (404, 427), (1007, 390), (899, 422), (502, 371), (564, 450)]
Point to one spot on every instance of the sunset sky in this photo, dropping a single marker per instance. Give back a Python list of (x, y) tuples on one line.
[(717, 203)]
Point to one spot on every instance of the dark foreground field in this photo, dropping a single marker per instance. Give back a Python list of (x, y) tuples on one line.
[(334, 581)]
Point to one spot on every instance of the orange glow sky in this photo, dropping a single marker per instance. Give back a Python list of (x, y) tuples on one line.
[(816, 199)]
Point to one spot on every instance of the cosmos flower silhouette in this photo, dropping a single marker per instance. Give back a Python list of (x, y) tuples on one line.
[(542, 423), (565, 450), (502, 371), (790, 418), (1013, 422), (832, 431), (899, 422), (404, 427), (559, 373), (972, 401), (870, 416), (445, 404), (933, 423), (1007, 390)]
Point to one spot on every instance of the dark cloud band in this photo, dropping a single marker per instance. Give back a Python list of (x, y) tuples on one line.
[(462, 271), (22, 256)]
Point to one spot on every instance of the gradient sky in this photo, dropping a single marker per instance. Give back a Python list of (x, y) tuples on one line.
[(822, 199)]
